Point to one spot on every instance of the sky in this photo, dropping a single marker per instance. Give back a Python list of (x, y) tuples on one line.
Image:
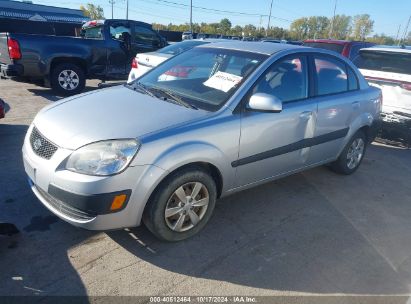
[(387, 14)]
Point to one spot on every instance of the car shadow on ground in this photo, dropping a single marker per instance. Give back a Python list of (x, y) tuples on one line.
[(35, 261), (314, 232), (50, 95)]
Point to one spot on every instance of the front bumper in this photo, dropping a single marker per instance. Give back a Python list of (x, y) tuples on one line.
[(11, 70), (84, 201)]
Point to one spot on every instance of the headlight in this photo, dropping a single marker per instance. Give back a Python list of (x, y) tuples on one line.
[(103, 158)]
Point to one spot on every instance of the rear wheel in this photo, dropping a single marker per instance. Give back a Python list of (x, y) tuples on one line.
[(182, 205), (67, 79), (352, 155)]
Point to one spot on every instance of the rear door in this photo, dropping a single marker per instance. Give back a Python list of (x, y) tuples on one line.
[(275, 143), (339, 103), (145, 39)]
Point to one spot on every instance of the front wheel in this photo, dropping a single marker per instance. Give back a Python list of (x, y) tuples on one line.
[(182, 205), (352, 155), (67, 79)]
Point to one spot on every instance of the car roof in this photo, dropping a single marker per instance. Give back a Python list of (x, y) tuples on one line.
[(389, 49), (254, 47)]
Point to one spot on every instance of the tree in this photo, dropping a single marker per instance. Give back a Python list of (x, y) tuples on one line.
[(92, 11), (362, 26), (317, 27), (225, 26), (299, 28), (382, 39), (340, 27)]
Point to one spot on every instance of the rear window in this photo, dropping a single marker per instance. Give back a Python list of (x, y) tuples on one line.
[(180, 47), (93, 32), (384, 61), (338, 48)]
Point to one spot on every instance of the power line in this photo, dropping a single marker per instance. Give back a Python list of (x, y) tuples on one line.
[(218, 10)]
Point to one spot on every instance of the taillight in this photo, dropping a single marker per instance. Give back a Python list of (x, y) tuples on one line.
[(14, 48), (134, 64), (406, 86), (346, 52)]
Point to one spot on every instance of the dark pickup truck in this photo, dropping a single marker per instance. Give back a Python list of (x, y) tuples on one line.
[(104, 51)]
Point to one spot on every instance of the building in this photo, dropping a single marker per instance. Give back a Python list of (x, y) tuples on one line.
[(27, 17)]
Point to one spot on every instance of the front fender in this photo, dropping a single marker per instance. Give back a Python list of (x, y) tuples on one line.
[(193, 152)]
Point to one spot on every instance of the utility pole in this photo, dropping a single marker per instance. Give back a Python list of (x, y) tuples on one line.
[(332, 22), (191, 16), (112, 7), (126, 9), (406, 29), (398, 35), (269, 18)]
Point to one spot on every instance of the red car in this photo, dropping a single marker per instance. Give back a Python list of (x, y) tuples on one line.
[(349, 49), (2, 109)]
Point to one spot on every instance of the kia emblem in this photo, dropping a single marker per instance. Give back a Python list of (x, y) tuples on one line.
[(37, 144)]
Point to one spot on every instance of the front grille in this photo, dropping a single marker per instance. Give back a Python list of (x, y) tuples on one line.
[(41, 145), (65, 209)]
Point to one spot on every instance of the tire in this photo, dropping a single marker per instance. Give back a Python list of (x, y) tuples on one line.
[(165, 198), (354, 150), (67, 79)]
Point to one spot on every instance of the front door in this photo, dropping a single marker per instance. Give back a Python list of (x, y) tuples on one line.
[(119, 53), (274, 143)]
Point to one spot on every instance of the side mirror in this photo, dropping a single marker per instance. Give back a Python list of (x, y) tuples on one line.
[(265, 103)]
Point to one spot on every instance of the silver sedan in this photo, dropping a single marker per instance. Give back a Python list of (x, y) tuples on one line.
[(209, 122)]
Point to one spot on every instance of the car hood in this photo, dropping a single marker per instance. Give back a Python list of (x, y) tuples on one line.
[(116, 112)]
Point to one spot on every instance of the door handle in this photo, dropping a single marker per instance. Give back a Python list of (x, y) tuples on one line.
[(356, 105), (306, 115)]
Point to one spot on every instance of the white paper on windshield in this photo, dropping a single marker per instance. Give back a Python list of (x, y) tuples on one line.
[(223, 81)]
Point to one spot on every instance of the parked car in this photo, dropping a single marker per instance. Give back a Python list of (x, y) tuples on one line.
[(104, 52), (187, 35), (346, 48), (389, 68), (2, 109), (253, 116), (143, 63)]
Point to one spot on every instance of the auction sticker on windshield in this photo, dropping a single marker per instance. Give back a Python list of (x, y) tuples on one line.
[(223, 81)]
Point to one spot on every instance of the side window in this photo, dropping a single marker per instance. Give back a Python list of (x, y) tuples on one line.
[(352, 80), (286, 79), (120, 31), (331, 76), (145, 35)]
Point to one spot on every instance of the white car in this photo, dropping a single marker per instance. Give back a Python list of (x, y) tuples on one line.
[(389, 68), (144, 62)]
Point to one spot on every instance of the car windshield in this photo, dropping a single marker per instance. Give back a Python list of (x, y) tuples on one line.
[(384, 61), (326, 46), (201, 77), (180, 47)]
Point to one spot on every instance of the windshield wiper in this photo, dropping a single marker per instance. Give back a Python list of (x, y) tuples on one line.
[(142, 89), (175, 98)]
